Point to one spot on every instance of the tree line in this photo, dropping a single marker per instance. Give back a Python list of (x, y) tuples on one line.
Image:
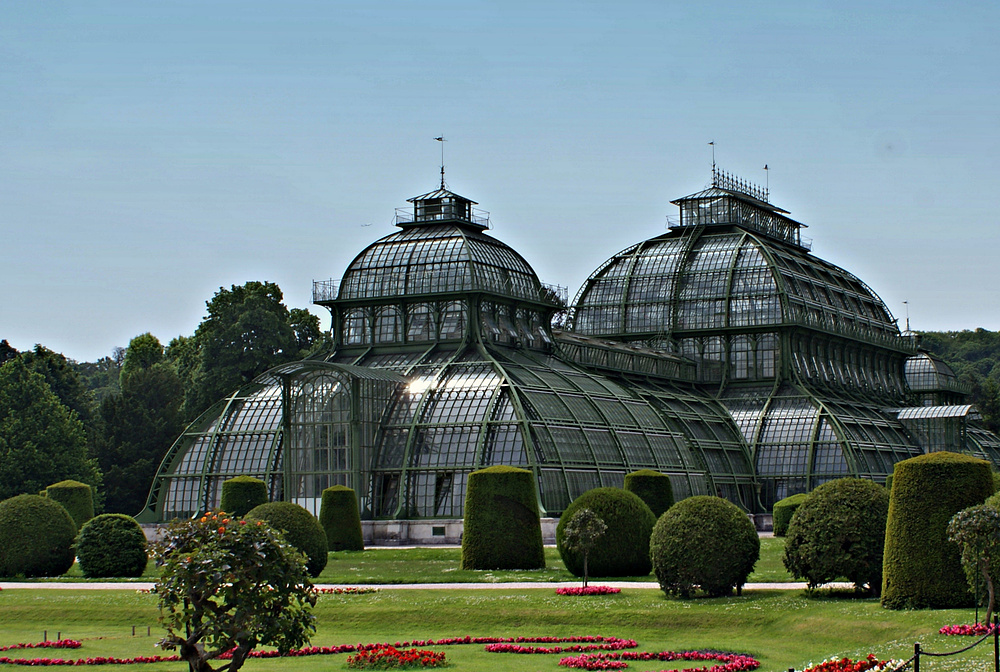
[(975, 358), (109, 423)]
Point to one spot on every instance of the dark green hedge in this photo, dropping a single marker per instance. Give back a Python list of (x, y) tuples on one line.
[(502, 529), (300, 528), (240, 494), (703, 542), (922, 568), (77, 497), (111, 544), (839, 531), (782, 512), (36, 537), (624, 548), (340, 519), (653, 488)]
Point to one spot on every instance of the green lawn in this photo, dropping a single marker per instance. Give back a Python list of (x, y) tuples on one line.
[(442, 565), (781, 628)]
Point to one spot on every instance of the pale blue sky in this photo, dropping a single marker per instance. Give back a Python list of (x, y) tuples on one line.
[(153, 152)]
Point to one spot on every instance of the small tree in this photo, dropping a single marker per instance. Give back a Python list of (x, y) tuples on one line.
[(976, 530), (581, 533), (230, 585)]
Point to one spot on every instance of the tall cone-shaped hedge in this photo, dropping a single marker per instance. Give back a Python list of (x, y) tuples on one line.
[(340, 518), (241, 494), (502, 528), (653, 488), (781, 512), (921, 568), (76, 497)]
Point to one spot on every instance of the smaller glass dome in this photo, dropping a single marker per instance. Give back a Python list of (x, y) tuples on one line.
[(442, 249)]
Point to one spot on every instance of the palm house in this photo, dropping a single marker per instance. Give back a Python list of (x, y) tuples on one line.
[(721, 353)]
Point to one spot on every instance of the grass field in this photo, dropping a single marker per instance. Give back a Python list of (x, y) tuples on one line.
[(782, 629), (442, 565)]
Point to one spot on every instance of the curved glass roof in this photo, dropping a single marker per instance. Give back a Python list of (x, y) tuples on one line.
[(438, 258), (679, 282)]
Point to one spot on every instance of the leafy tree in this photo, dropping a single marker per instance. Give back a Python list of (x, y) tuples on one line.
[(230, 584), (143, 352), (977, 532), (247, 331), (7, 351), (41, 440), (581, 534), (139, 425), (63, 380)]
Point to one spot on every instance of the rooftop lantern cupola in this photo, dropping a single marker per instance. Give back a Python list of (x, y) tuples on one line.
[(440, 206), (731, 201)]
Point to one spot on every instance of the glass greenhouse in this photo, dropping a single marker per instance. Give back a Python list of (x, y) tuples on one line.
[(721, 353)]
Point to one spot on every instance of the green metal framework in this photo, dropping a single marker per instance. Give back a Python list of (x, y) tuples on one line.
[(721, 353)]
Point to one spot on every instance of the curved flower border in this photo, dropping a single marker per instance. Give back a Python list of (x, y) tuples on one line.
[(612, 656)]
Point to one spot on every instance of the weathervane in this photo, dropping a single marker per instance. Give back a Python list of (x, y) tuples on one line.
[(441, 139)]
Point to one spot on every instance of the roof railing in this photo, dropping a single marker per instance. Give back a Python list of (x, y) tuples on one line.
[(478, 217), (325, 290)]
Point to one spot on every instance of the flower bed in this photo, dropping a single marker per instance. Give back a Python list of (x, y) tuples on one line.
[(58, 644), (848, 665), (977, 629), (727, 662), (394, 656), (386, 657), (589, 590), (346, 590)]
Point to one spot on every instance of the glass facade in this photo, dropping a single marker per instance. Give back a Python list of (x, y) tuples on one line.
[(722, 354)]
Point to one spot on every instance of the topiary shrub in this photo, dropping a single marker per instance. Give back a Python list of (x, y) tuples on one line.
[(703, 542), (340, 519), (502, 529), (301, 530), (240, 494), (624, 549), (782, 512), (921, 569), (36, 537), (993, 500), (111, 544), (888, 482), (77, 497), (839, 531), (653, 488)]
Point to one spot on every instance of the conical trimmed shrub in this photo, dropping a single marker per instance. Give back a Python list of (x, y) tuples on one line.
[(240, 494), (653, 488), (502, 529), (921, 568), (340, 518), (76, 497)]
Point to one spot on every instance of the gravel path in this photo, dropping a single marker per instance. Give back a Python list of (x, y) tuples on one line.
[(87, 585)]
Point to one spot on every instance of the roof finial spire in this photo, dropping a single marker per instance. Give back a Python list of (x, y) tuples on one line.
[(713, 162), (907, 304), (441, 139)]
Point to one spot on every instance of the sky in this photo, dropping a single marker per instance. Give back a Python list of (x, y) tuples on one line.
[(151, 153)]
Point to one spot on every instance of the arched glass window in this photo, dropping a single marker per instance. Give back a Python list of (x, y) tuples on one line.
[(357, 330), (388, 325), (453, 319)]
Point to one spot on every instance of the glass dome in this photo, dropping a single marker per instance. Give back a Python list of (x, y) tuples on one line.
[(678, 282)]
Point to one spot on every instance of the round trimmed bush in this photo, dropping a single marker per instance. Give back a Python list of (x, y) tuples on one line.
[(300, 528), (921, 568), (782, 512), (340, 519), (703, 542), (111, 544), (502, 529), (993, 500), (653, 488), (36, 537), (839, 531), (240, 494), (624, 549), (77, 497)]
